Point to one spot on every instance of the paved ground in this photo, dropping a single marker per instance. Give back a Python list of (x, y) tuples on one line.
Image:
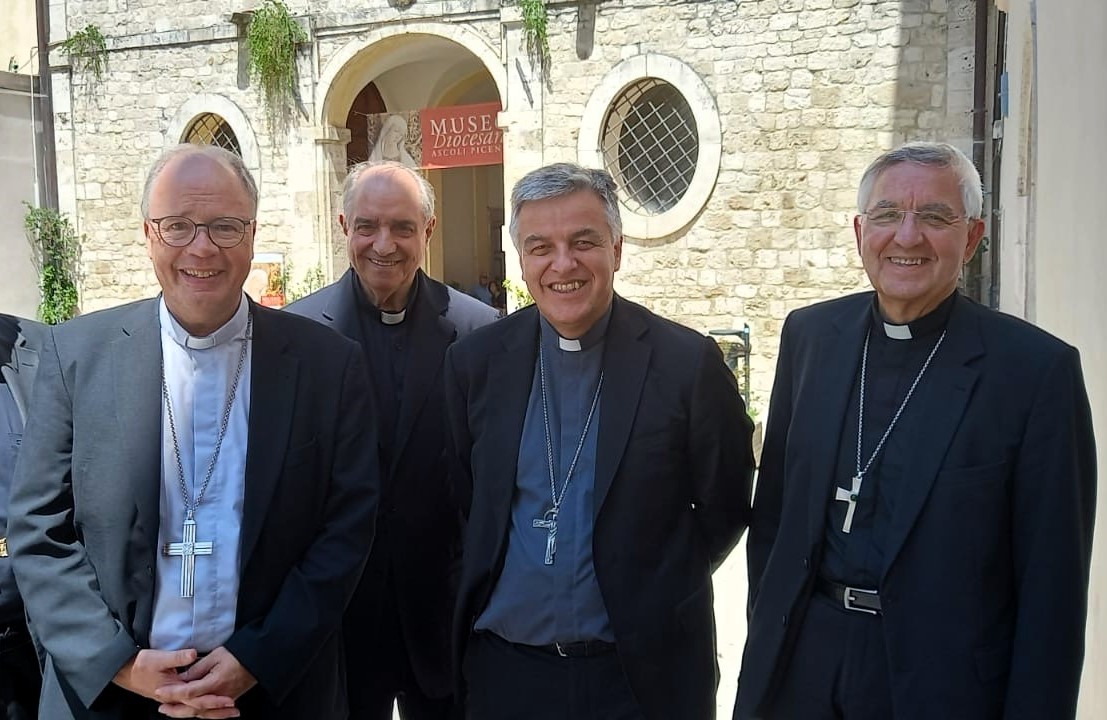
[(730, 619)]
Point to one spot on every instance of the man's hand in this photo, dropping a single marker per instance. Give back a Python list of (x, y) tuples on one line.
[(208, 689), (151, 669)]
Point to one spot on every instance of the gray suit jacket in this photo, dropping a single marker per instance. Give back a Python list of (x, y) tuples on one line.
[(85, 504), (19, 373)]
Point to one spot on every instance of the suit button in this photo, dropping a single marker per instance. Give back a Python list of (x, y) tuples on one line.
[(784, 620), (149, 571), (806, 564)]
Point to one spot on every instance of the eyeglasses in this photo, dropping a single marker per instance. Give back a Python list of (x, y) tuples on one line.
[(176, 231), (892, 217)]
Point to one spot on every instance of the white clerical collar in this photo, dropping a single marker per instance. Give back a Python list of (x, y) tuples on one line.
[(897, 332), (233, 329), (568, 345), (588, 340), (393, 318)]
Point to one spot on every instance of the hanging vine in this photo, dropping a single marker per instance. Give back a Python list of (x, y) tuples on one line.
[(271, 41), (56, 251), (535, 20), (87, 51)]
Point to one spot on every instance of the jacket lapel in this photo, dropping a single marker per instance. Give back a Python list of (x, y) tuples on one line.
[(627, 355), (340, 312), (942, 399), (273, 374), (137, 363), (511, 373), (833, 366), (431, 334), (20, 375)]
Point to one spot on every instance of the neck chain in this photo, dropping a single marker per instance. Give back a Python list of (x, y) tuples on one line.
[(549, 521), (190, 505), (850, 495)]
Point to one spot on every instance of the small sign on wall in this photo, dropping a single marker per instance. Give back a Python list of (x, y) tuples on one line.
[(265, 282)]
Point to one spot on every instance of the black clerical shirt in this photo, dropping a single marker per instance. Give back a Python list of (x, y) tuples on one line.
[(385, 346), (857, 558)]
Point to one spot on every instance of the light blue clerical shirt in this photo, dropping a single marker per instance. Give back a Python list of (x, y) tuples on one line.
[(534, 603), (199, 373)]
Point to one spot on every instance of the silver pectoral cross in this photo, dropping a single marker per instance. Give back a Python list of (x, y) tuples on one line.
[(187, 549), (849, 496), (549, 524)]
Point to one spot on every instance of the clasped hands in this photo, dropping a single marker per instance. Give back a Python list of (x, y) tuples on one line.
[(207, 688)]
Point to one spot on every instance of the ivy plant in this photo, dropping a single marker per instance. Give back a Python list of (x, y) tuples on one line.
[(271, 40), (535, 19), (87, 51), (56, 250)]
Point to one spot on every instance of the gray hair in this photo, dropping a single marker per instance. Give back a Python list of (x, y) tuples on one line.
[(940, 155), (426, 191), (225, 157), (560, 179)]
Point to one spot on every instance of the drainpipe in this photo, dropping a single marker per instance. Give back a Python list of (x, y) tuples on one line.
[(45, 99), (980, 137)]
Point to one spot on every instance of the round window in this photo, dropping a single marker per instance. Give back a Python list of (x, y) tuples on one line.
[(650, 144)]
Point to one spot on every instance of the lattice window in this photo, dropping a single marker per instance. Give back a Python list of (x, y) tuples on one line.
[(650, 144), (210, 129)]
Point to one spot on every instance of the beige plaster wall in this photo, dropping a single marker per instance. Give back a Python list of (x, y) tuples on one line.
[(1055, 215)]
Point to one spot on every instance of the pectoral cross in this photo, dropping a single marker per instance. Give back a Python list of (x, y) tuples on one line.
[(549, 523), (187, 549), (849, 496)]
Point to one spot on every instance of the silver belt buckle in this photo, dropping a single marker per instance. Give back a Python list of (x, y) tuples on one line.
[(849, 596), (559, 650)]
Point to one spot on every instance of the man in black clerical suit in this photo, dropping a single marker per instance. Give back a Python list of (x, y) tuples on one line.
[(20, 676), (922, 524), (196, 491), (397, 628), (606, 458)]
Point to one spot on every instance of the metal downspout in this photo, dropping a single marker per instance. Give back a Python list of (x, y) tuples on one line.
[(49, 188)]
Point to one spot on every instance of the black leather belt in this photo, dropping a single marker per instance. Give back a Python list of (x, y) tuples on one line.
[(579, 649), (850, 598)]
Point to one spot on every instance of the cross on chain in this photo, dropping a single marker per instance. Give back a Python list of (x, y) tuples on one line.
[(549, 523), (849, 496), (187, 550)]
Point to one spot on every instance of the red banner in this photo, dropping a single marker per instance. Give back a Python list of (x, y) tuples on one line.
[(461, 135), (441, 137)]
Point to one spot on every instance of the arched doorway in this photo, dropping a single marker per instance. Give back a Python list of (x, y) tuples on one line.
[(439, 66)]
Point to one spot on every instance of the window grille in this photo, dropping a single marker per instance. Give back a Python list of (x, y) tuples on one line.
[(210, 129), (650, 144)]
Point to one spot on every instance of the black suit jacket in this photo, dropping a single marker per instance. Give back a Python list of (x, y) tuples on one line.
[(85, 507), (418, 539), (672, 485), (985, 583)]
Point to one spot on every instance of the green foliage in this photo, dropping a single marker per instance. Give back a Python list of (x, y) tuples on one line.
[(87, 51), (518, 293), (56, 250), (313, 280), (535, 19), (271, 39)]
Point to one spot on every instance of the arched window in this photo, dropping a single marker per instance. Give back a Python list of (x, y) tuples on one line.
[(210, 129)]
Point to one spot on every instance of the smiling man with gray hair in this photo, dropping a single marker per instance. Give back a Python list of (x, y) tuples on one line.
[(196, 492), (606, 458), (922, 525)]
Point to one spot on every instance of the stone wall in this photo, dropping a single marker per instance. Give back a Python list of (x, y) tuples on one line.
[(807, 93)]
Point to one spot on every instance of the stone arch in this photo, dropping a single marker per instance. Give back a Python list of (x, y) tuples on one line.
[(346, 62)]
